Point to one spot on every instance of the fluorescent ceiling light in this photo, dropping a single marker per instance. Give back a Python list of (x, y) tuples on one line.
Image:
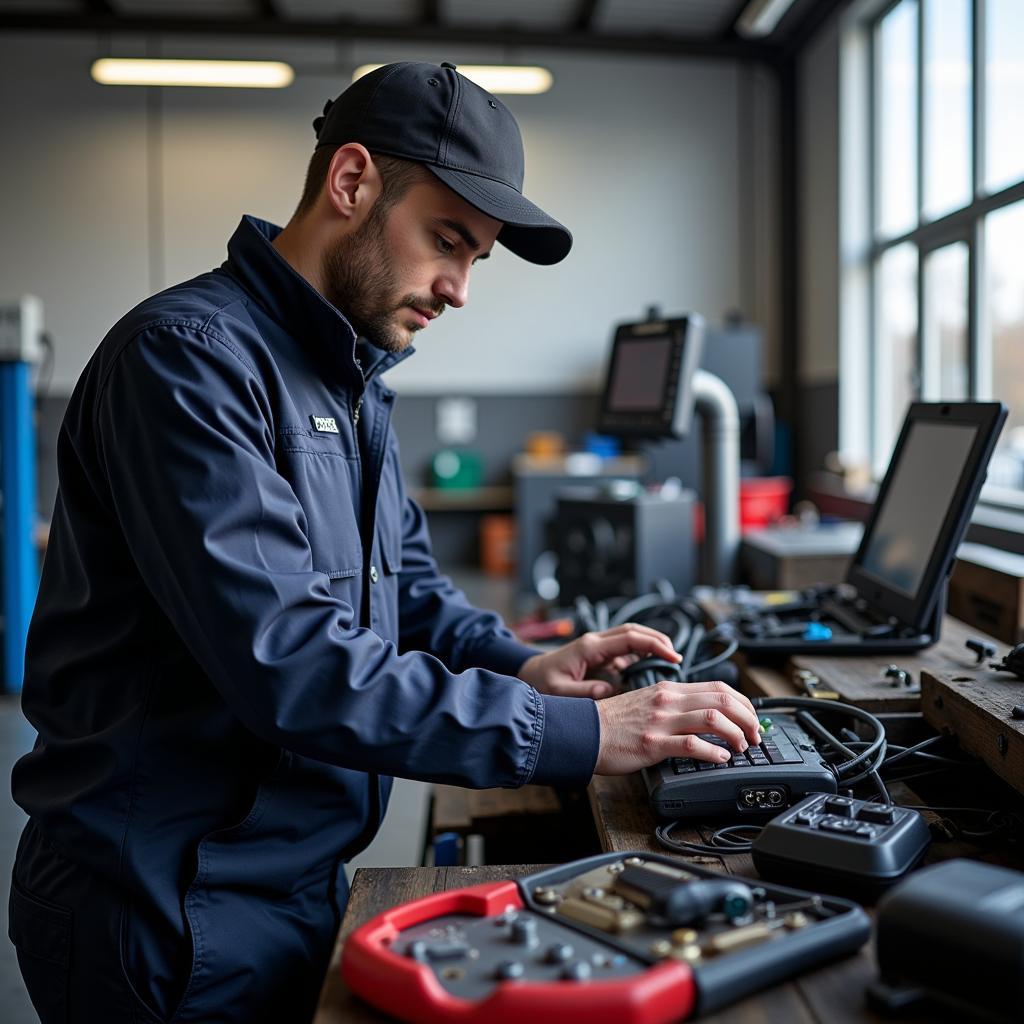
[(760, 17), (238, 74), (496, 78)]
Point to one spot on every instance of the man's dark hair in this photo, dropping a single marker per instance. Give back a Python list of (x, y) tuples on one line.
[(397, 177)]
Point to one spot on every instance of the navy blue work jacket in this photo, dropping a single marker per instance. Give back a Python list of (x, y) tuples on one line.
[(241, 633)]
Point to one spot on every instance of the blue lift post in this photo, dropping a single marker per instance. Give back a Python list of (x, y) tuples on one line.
[(20, 566)]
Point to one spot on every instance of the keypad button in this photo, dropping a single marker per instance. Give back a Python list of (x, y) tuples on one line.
[(839, 805), (524, 931), (559, 953), (879, 814), (837, 825), (578, 970)]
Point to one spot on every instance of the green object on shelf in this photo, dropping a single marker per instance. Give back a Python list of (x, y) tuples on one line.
[(456, 470)]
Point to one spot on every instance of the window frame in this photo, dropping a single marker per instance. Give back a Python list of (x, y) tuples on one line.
[(965, 224)]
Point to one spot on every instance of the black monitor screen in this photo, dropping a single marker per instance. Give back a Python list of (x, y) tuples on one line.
[(638, 378), (918, 498)]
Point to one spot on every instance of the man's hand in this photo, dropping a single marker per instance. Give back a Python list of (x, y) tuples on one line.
[(564, 673), (645, 726)]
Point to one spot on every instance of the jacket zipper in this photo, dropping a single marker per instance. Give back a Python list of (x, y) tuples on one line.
[(373, 815)]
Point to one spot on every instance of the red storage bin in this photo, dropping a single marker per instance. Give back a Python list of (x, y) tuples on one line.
[(763, 500)]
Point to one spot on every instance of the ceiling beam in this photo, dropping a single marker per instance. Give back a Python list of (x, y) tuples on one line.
[(585, 15), (284, 28)]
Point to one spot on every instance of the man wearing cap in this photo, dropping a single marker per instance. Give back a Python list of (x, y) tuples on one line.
[(241, 634)]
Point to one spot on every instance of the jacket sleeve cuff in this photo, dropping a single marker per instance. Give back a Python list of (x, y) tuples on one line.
[(569, 742), (504, 655)]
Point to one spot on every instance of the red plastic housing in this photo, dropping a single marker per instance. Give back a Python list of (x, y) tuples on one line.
[(409, 989)]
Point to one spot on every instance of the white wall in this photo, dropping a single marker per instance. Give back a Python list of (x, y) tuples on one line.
[(661, 168)]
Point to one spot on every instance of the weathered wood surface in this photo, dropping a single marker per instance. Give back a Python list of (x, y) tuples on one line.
[(862, 681), (977, 707)]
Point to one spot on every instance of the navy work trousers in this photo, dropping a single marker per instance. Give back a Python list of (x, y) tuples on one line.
[(66, 924)]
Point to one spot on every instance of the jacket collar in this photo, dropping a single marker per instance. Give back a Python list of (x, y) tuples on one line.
[(297, 306)]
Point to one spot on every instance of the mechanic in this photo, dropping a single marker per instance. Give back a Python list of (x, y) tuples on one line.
[(241, 634)]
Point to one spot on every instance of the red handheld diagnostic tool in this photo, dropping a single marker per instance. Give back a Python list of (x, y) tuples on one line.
[(615, 939)]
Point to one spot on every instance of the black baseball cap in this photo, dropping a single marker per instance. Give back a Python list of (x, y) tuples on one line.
[(431, 114)]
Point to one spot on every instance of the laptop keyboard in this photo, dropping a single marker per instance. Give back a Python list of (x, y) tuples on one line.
[(774, 749)]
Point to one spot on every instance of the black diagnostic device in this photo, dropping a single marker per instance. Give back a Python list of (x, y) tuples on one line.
[(951, 937), (855, 847), (750, 786), (648, 391)]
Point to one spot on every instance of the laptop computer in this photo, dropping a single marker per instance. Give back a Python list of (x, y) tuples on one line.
[(893, 598)]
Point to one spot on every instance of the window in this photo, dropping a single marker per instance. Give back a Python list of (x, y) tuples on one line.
[(943, 236)]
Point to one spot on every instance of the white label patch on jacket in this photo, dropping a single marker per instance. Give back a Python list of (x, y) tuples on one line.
[(325, 424)]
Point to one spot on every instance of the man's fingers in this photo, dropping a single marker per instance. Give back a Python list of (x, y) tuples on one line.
[(630, 640), (623, 662), (717, 686), (713, 721), (634, 627), (695, 747), (714, 704)]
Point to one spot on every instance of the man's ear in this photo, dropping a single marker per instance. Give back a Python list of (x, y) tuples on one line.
[(353, 182)]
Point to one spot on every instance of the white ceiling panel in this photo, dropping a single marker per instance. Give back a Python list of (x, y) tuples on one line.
[(535, 15), (693, 18), (382, 11)]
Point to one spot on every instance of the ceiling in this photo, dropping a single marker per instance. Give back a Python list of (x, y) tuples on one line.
[(685, 27)]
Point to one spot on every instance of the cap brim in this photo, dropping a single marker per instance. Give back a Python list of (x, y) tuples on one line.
[(528, 232)]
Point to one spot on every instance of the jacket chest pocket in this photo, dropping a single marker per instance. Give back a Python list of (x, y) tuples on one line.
[(390, 511), (327, 485), (390, 503)]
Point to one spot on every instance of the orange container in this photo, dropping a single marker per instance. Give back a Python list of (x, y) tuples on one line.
[(498, 544)]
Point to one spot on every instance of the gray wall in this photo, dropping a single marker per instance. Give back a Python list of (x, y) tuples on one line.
[(662, 167)]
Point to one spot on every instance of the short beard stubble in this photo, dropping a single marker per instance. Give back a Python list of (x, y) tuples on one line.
[(359, 281)]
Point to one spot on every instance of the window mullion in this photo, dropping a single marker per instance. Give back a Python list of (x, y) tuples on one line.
[(922, 356), (978, 99)]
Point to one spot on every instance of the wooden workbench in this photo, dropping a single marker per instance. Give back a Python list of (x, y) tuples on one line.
[(829, 995), (954, 688)]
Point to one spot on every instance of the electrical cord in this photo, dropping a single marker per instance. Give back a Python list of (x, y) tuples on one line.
[(724, 840), (1003, 822), (872, 755), (813, 725), (680, 619)]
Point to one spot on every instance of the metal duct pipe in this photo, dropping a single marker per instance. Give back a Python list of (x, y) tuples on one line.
[(720, 420)]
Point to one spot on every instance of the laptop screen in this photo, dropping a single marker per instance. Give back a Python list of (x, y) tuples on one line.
[(924, 481)]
